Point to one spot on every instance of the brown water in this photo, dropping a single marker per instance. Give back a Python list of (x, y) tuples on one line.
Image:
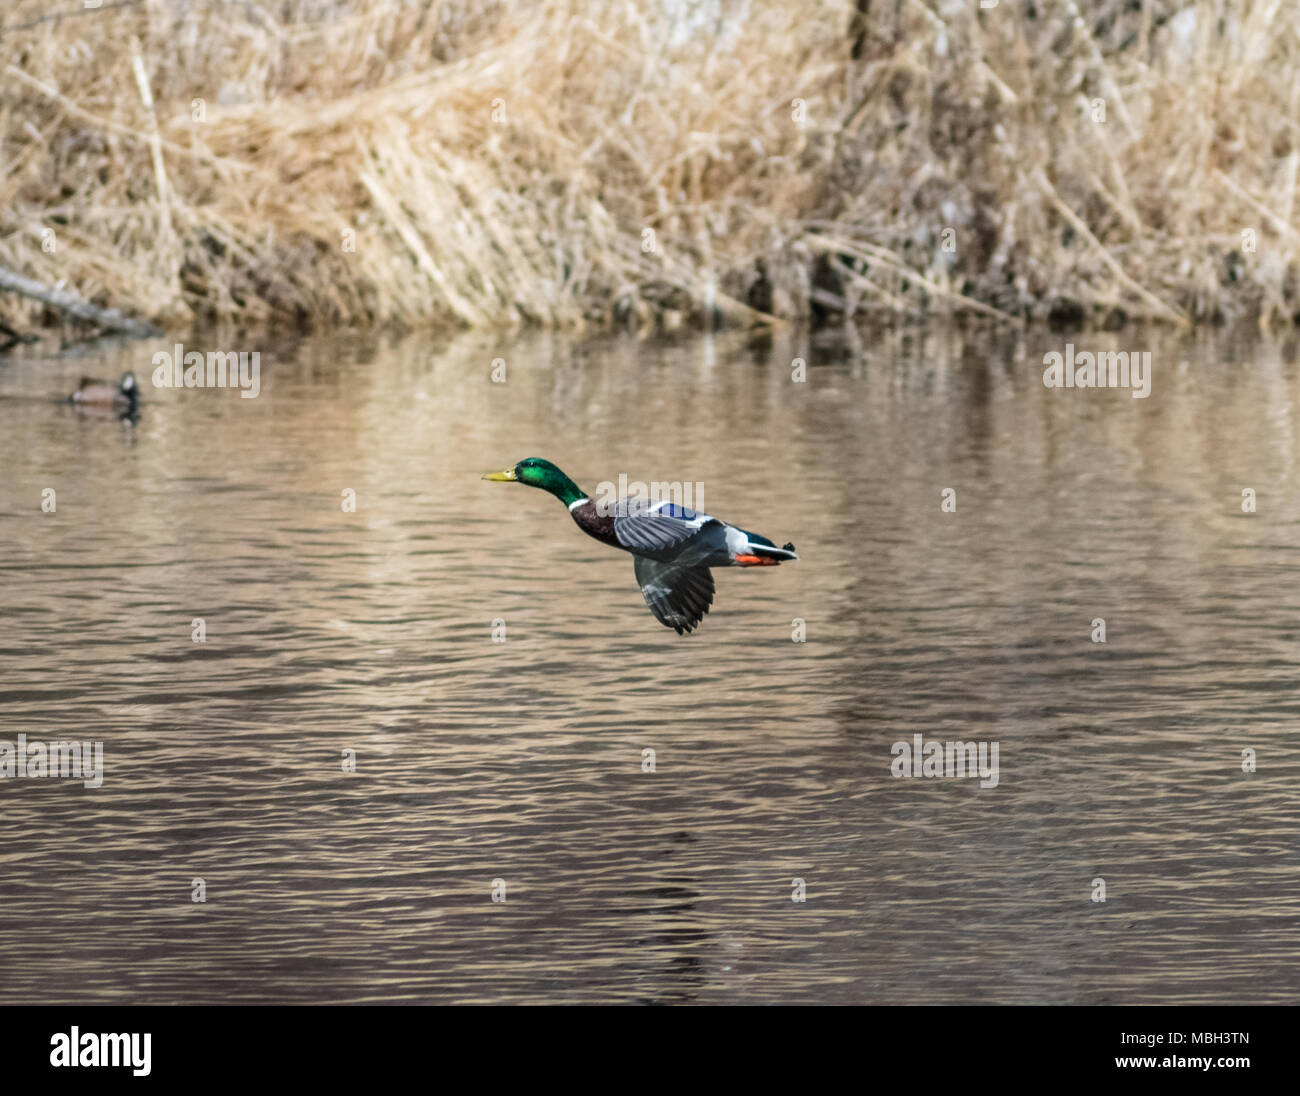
[(522, 761)]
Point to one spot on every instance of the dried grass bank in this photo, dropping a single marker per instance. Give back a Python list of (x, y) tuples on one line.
[(577, 162)]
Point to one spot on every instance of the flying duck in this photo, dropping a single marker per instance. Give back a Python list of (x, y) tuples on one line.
[(673, 548), (122, 396)]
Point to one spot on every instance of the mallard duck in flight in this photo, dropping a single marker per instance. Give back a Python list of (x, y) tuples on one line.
[(673, 547)]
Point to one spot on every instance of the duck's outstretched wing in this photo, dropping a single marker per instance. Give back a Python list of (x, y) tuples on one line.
[(657, 527), (678, 596)]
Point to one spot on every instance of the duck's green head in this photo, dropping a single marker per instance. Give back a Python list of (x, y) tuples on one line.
[(537, 472)]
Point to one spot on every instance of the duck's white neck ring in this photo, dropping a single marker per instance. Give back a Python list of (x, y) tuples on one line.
[(577, 502)]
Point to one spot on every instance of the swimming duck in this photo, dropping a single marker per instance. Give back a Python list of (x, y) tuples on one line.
[(673, 547), (124, 395)]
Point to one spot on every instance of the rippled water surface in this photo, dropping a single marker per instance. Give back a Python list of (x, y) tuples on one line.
[(522, 761)]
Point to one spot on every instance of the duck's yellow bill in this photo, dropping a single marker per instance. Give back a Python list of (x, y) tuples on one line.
[(508, 476)]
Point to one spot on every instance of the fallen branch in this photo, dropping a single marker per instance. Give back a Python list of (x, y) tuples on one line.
[(12, 338), (110, 319)]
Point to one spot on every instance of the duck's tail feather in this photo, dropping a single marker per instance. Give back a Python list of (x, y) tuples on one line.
[(765, 549)]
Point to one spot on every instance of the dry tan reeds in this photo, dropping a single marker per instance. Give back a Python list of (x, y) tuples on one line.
[(565, 162)]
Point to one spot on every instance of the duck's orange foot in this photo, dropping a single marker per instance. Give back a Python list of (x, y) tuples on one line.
[(756, 561)]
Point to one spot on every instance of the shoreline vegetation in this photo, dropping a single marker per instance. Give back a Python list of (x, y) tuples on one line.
[(592, 164)]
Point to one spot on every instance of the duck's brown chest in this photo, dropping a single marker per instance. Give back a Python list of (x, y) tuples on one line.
[(595, 524)]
